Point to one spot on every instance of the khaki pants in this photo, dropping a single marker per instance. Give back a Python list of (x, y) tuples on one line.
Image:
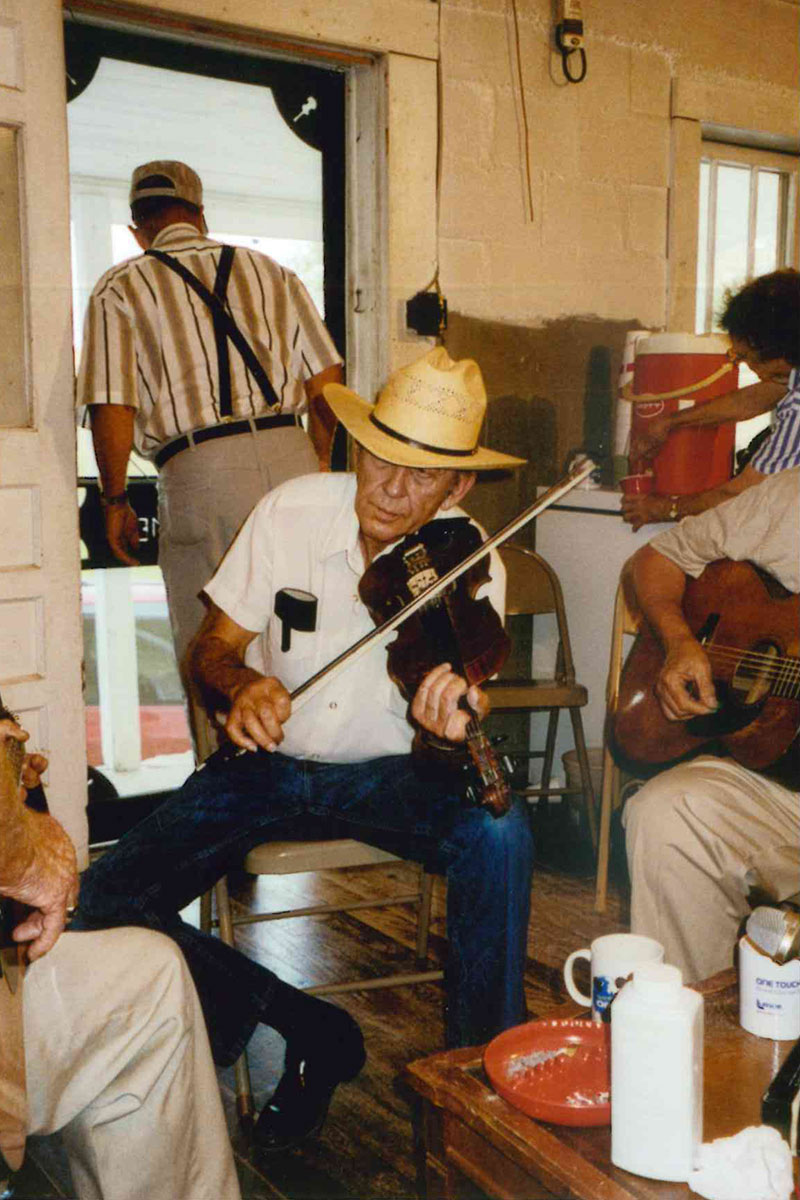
[(117, 1058), (699, 838), (204, 494)]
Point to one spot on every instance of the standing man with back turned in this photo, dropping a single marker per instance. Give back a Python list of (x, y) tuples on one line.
[(203, 358)]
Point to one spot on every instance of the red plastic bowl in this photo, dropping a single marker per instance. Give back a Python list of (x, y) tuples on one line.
[(555, 1070)]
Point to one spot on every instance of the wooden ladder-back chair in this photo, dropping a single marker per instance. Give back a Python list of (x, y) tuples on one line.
[(532, 588), (626, 622), (294, 857)]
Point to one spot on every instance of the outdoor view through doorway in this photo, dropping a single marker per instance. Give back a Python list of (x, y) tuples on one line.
[(263, 188)]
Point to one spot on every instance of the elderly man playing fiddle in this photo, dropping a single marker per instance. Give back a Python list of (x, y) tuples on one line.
[(345, 755)]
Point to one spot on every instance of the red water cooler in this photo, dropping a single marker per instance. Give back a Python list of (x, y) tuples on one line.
[(690, 460)]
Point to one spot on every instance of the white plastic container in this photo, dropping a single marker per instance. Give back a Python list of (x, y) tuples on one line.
[(769, 994), (657, 1074)]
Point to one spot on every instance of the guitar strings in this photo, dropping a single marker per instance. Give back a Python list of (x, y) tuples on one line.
[(752, 656), (784, 669)]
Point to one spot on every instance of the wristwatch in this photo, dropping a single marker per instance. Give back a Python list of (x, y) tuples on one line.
[(672, 515), (114, 501)]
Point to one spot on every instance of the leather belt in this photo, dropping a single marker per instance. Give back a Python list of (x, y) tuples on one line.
[(221, 431)]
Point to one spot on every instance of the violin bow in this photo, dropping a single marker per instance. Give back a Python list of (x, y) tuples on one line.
[(312, 685)]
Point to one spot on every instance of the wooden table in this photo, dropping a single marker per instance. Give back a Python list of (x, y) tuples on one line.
[(474, 1143)]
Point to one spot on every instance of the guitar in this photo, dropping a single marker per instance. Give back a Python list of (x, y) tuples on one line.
[(749, 626)]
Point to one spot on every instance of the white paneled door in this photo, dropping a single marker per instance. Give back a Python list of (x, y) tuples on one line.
[(40, 634)]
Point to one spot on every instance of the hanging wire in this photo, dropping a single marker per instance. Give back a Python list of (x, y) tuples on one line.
[(433, 284), (524, 112), (565, 57)]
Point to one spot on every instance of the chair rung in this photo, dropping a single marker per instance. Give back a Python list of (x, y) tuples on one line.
[(323, 909), (550, 791), (372, 985)]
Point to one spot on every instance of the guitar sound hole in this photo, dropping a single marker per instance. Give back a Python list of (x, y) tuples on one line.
[(753, 678), (733, 713)]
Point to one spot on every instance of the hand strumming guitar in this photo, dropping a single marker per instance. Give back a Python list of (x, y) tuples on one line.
[(684, 686)]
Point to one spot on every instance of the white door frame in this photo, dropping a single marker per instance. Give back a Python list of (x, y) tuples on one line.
[(40, 629)]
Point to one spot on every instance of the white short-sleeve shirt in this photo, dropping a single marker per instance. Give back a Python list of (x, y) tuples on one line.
[(761, 525), (304, 536)]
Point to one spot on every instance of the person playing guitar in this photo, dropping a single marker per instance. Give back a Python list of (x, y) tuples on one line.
[(708, 833)]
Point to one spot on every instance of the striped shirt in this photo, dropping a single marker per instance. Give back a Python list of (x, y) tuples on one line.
[(149, 339), (782, 447)]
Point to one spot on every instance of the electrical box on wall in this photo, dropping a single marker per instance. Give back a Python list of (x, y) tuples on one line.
[(426, 314), (569, 26)]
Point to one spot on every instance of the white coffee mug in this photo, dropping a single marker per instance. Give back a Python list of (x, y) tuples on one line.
[(612, 958), (769, 994)]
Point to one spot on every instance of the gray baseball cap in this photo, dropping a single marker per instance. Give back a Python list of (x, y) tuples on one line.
[(175, 179)]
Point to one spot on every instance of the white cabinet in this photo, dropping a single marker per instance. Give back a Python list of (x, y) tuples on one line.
[(585, 540)]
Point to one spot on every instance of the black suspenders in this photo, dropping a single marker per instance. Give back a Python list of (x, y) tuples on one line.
[(220, 336), (225, 328)]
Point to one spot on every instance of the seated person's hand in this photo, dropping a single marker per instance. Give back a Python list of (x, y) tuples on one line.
[(258, 713), (435, 706), (46, 876), (645, 510), (49, 885), (685, 687)]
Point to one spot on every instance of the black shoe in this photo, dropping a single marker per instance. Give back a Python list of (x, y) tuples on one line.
[(314, 1068)]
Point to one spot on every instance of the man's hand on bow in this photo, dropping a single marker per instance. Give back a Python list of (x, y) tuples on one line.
[(258, 712), (435, 706)]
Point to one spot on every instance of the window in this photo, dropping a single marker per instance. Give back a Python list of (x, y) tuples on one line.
[(747, 211), (270, 152)]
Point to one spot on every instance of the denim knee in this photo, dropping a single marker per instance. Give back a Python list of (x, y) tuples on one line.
[(504, 843)]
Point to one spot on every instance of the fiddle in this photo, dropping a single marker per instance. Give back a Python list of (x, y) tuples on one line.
[(302, 694), (454, 627)]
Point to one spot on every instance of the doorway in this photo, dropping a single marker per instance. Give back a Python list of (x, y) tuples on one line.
[(267, 138)]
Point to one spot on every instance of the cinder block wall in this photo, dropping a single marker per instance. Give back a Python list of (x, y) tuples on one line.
[(600, 151), (535, 293), (608, 245)]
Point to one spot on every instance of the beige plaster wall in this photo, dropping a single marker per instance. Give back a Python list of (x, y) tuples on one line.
[(608, 245), (600, 151)]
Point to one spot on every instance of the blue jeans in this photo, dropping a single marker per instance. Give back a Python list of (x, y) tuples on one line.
[(224, 809)]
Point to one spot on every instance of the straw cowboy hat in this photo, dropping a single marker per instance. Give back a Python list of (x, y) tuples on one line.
[(429, 414)]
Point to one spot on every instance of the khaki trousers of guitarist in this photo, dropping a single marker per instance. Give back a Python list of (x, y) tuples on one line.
[(700, 837), (117, 1058)]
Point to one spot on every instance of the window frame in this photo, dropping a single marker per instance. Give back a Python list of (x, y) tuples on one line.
[(718, 154)]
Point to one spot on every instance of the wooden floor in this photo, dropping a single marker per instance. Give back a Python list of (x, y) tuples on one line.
[(366, 1148)]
